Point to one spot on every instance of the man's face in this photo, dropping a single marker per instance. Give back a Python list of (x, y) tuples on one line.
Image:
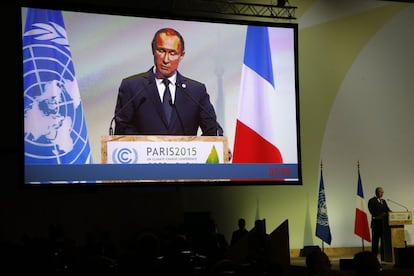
[(380, 193), (167, 55)]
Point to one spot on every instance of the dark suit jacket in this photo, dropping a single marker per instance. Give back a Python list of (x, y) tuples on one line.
[(379, 211), (139, 109)]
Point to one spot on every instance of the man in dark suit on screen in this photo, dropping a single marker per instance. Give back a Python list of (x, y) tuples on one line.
[(162, 101)]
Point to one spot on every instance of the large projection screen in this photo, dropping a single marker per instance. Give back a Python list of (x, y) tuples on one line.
[(106, 48)]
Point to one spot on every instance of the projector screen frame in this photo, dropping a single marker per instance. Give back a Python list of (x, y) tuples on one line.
[(234, 174)]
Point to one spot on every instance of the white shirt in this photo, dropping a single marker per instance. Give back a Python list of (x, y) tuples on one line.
[(161, 87)]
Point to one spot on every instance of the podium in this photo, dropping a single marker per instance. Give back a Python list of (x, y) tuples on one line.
[(396, 222), (147, 149), (163, 149)]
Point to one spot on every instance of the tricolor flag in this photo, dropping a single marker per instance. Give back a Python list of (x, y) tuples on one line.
[(323, 230), (54, 125), (361, 227), (254, 137)]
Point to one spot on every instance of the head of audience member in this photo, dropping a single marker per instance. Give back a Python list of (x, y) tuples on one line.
[(318, 263), (366, 264), (241, 223)]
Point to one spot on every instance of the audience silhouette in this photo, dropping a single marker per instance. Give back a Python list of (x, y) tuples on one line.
[(171, 250), (259, 246), (240, 232), (319, 264), (366, 264)]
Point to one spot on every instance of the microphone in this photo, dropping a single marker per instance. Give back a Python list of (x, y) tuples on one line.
[(405, 207), (178, 115), (219, 130), (111, 131)]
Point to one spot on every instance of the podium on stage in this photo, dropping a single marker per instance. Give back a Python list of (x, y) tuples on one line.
[(395, 237), (165, 149), (149, 150)]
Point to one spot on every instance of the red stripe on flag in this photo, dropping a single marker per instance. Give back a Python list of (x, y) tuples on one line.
[(361, 225), (250, 147)]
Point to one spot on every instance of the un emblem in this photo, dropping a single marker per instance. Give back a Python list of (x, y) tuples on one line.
[(54, 126)]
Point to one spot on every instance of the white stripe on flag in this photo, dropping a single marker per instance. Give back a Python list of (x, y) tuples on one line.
[(360, 204), (255, 104)]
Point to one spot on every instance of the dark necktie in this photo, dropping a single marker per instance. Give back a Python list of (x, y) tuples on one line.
[(166, 100)]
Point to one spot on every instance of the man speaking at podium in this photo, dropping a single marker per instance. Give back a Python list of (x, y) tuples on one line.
[(161, 101), (379, 210)]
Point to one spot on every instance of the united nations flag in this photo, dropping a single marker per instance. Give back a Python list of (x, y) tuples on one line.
[(323, 231), (55, 130)]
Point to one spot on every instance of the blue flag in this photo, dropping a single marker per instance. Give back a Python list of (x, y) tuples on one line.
[(54, 125), (322, 224)]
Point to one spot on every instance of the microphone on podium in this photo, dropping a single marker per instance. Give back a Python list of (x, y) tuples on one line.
[(405, 207), (142, 100), (219, 130)]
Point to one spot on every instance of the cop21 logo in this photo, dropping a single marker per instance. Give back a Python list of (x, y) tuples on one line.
[(124, 156)]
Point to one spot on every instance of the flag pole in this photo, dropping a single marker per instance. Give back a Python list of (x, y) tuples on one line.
[(323, 244)]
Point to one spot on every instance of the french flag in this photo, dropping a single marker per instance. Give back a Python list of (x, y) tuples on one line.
[(361, 227), (255, 139)]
